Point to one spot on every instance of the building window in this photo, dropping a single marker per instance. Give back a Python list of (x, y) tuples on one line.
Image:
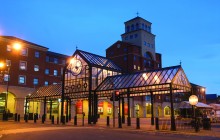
[(37, 54), (35, 81), (47, 58), (21, 79), (131, 36), (132, 27), (126, 38), (46, 83), (125, 58), (63, 62), (145, 43), (8, 48), (55, 60), (137, 26), (134, 58), (36, 68), (135, 67), (23, 65), (142, 26), (54, 83), (24, 52), (167, 110), (8, 62), (135, 35), (139, 68), (128, 29), (6, 77), (55, 72), (47, 71), (125, 49)]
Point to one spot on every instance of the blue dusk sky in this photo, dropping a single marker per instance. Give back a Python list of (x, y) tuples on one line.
[(186, 30)]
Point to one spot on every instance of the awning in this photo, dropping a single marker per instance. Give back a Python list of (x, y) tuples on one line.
[(186, 104), (51, 91)]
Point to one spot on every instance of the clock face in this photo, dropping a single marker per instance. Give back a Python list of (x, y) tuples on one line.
[(76, 67)]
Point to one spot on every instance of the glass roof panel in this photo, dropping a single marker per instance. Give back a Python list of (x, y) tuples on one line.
[(98, 60), (149, 78)]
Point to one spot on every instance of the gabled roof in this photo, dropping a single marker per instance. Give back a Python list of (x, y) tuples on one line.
[(97, 60), (147, 79)]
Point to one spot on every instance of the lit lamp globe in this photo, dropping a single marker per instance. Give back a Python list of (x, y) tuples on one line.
[(193, 99)]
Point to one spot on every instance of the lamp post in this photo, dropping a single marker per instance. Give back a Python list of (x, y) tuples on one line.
[(16, 46), (193, 100)]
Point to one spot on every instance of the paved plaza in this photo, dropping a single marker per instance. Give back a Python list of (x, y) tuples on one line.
[(12, 127)]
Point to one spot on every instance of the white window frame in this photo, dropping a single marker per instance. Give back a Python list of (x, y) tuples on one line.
[(24, 50), (36, 68), (25, 62)]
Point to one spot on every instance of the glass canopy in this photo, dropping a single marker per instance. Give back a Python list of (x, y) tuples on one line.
[(97, 60), (159, 81), (51, 91)]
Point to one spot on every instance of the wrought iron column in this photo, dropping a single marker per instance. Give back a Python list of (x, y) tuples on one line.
[(50, 108), (129, 114), (62, 96), (123, 110), (173, 125), (90, 96), (152, 108), (45, 103), (67, 110)]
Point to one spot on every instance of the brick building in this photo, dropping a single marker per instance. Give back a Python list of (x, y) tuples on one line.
[(30, 67)]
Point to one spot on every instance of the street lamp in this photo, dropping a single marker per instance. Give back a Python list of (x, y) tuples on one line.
[(193, 100), (16, 46)]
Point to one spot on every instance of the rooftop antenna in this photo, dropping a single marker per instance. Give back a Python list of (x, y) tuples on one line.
[(137, 14), (180, 63), (76, 47)]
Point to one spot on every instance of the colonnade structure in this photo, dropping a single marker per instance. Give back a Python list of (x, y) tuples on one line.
[(89, 78)]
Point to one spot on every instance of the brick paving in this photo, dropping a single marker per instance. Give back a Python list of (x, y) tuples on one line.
[(145, 126)]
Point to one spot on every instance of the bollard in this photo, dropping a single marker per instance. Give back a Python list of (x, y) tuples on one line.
[(83, 115), (137, 123), (43, 118), (67, 118), (75, 120), (63, 119), (123, 119), (119, 122), (157, 123), (35, 118), (18, 117), (108, 121), (52, 119), (70, 117), (57, 120), (26, 118), (129, 121)]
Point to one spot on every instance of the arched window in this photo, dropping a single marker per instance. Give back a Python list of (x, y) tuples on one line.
[(167, 110), (137, 26), (128, 29), (132, 27)]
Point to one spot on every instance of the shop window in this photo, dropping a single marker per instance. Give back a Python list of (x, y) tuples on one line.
[(135, 67), (167, 110)]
